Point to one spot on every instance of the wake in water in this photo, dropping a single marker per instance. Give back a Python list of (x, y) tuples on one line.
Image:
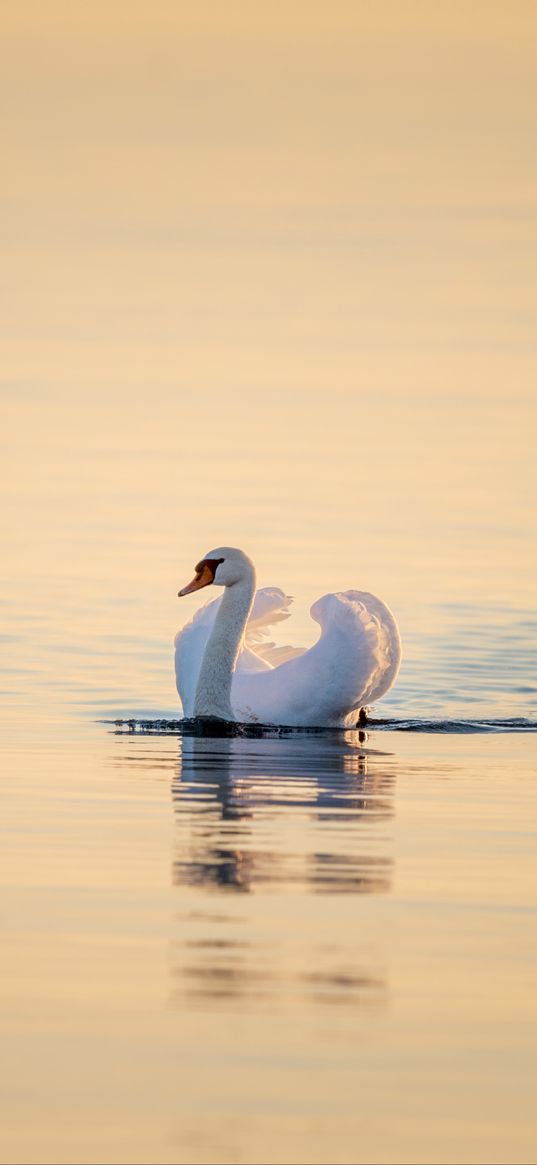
[(212, 726), (510, 724)]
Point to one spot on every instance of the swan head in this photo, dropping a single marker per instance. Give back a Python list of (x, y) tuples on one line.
[(224, 566)]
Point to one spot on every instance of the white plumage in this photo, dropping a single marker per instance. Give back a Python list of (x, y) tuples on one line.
[(246, 677)]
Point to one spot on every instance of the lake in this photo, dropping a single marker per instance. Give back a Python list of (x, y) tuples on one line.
[(306, 949), (268, 282)]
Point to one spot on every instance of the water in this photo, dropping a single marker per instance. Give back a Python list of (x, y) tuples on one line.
[(268, 284), (303, 949)]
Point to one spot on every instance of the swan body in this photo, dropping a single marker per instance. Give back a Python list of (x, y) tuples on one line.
[(226, 666)]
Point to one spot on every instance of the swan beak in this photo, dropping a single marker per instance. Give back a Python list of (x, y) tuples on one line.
[(202, 578)]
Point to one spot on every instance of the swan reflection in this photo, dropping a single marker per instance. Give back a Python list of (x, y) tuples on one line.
[(265, 828), (282, 861), (270, 813)]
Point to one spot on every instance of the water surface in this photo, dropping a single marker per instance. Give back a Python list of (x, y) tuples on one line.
[(269, 950), (268, 283)]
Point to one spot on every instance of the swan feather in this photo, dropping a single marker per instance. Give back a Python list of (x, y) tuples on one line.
[(353, 663)]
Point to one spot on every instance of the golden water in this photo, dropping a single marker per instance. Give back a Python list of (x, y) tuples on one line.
[(269, 282)]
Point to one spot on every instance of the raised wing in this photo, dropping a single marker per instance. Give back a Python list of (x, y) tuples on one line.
[(270, 606), (258, 653), (371, 637), (353, 663)]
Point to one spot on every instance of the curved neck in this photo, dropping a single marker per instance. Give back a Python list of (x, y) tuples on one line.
[(213, 693)]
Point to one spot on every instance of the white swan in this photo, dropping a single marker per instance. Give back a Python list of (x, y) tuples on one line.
[(226, 668)]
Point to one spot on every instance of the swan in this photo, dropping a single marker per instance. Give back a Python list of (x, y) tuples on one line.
[(226, 668)]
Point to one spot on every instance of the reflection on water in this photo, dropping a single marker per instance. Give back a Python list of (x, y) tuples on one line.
[(213, 944), (239, 805), (209, 971), (302, 817)]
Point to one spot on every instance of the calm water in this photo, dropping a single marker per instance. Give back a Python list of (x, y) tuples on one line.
[(301, 948), (268, 283), (308, 949), (305, 948)]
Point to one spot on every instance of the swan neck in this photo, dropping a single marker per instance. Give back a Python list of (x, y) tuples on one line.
[(213, 693)]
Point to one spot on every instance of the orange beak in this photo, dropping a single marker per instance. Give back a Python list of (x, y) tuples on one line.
[(202, 578)]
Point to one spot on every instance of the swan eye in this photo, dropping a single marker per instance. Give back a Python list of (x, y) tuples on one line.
[(209, 564)]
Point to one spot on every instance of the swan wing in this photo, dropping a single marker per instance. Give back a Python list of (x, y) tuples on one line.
[(271, 606), (354, 662), (386, 644), (258, 653), (190, 644)]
